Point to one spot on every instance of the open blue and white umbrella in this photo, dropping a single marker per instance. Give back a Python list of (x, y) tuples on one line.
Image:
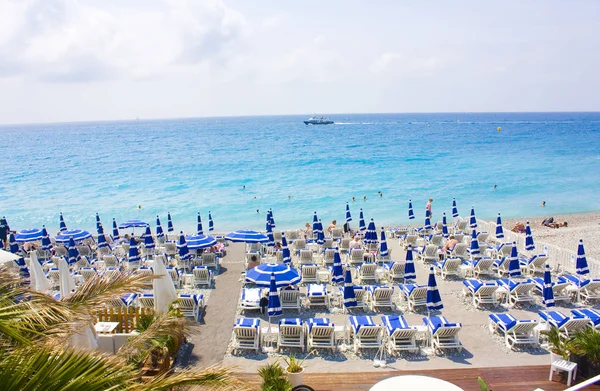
[(211, 224), (285, 251), (184, 252), (133, 224), (383, 249), (411, 213), (199, 230), (454, 208), (284, 275), (514, 268), (63, 226), (434, 300), (200, 241), (271, 218), (13, 246), (427, 224), (548, 294), (472, 218), (371, 234), (444, 226), (159, 229), (361, 221), (499, 230), (134, 253), (115, 233), (348, 215), (77, 235), (337, 272), (474, 248), (581, 265), (169, 223), (148, 240), (46, 242), (73, 252), (274, 306), (247, 236), (349, 295), (29, 235), (409, 267), (529, 245), (320, 234), (271, 241), (98, 223)]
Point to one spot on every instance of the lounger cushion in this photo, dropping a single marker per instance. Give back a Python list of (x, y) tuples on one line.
[(128, 298), (392, 322), (556, 318), (316, 290), (251, 296), (508, 283), (290, 322), (504, 321), (318, 322), (435, 322), (358, 321), (372, 289), (474, 285), (247, 322), (409, 288), (590, 313)]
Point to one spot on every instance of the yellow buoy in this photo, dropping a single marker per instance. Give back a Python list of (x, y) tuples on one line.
[(499, 128)]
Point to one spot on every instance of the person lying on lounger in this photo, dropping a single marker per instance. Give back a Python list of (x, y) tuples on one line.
[(519, 228)]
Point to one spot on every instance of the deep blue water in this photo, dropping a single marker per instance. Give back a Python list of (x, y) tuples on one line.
[(190, 165)]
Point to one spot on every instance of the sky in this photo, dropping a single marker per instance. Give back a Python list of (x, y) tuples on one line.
[(82, 60)]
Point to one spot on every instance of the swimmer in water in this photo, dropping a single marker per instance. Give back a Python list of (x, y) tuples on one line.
[(365, 198), (352, 199), (257, 211)]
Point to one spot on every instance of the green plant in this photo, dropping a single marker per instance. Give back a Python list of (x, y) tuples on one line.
[(293, 365), (558, 345), (482, 384), (273, 378), (586, 343)]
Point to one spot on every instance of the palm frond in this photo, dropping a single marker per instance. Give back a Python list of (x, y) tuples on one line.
[(215, 378)]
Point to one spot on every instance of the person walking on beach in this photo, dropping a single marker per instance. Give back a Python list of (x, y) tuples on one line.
[(428, 208), (4, 229)]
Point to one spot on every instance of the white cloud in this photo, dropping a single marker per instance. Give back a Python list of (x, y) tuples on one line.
[(404, 63)]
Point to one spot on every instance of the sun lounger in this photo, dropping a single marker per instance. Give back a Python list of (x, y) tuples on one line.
[(592, 314), (534, 265), (328, 256), (177, 281), (408, 239), (429, 253), (190, 304), (291, 333), (146, 300), (444, 335), (416, 295), (586, 289), (202, 276), (309, 274), (344, 245), (290, 299), (317, 295), (146, 272), (395, 271), (449, 267), (211, 260), (88, 273), (246, 334), (111, 273), (482, 292), (501, 266), (518, 292), (366, 273), (356, 256), (477, 267), (362, 298), (567, 326), (559, 289), (251, 299), (460, 251), (436, 240), (365, 333), (516, 332), (399, 335), (380, 296), (299, 245), (320, 333), (125, 301), (305, 257)]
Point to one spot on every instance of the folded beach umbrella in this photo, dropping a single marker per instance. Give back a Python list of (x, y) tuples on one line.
[(383, 249), (102, 239), (169, 223), (514, 268), (163, 289), (134, 254), (13, 246), (211, 225), (76, 234), (371, 234), (548, 294), (444, 226), (148, 240), (499, 229), (472, 218), (63, 226), (159, 230), (409, 267), (320, 234), (98, 223), (529, 245), (427, 224), (285, 251), (72, 251), (581, 266), (115, 230), (46, 242), (38, 280), (271, 218), (284, 275), (411, 213), (454, 208), (65, 280), (315, 225), (247, 236), (474, 248), (361, 222), (337, 272), (199, 229), (200, 241), (274, 306), (348, 216), (184, 252), (349, 295), (271, 241), (434, 300), (29, 235)]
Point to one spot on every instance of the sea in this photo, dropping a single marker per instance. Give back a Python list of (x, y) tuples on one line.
[(239, 167)]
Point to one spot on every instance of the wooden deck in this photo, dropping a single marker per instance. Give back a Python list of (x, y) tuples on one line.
[(526, 378)]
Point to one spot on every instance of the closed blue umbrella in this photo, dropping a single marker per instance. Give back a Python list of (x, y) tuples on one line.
[(581, 266), (46, 242), (349, 295), (184, 252), (361, 221), (315, 225), (371, 234), (472, 218), (271, 218), (98, 223), (320, 234), (99, 229), (271, 241), (274, 308), (383, 249), (514, 268), (529, 246), (444, 226), (102, 240), (133, 224), (115, 233), (77, 235), (337, 273), (474, 248), (499, 230), (211, 224), (247, 236), (285, 251), (148, 240), (73, 252), (434, 300), (548, 294), (159, 230), (284, 275), (29, 235), (409, 267), (411, 213), (63, 226), (13, 246), (199, 229), (200, 241), (134, 254), (454, 208), (427, 224), (348, 216), (169, 223)]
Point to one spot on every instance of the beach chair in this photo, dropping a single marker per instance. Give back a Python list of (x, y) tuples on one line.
[(362, 298), (477, 267), (317, 295), (533, 265), (290, 299), (590, 313), (125, 301), (110, 261), (559, 289), (202, 276), (309, 274), (177, 281), (299, 244), (146, 300), (482, 292), (61, 251), (399, 335), (444, 335), (409, 239), (501, 266), (291, 334), (305, 257), (567, 326), (291, 235), (246, 334), (250, 299), (449, 267), (344, 245), (146, 272), (356, 256), (328, 256), (429, 253), (210, 260), (518, 292), (277, 236), (365, 333), (190, 304), (515, 332), (380, 296), (436, 240), (366, 273), (111, 273), (502, 251), (482, 238), (461, 226), (88, 273), (54, 276), (587, 290), (415, 295), (395, 271), (320, 333), (328, 243), (82, 262), (460, 251)]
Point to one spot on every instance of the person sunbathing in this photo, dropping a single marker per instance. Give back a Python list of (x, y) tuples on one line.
[(519, 228), (558, 225)]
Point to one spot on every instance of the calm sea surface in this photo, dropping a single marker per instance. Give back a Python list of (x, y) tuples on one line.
[(200, 165)]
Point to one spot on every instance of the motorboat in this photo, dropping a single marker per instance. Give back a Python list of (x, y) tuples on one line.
[(318, 121)]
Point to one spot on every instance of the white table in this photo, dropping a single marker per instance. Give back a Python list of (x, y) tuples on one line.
[(414, 382), (106, 327)]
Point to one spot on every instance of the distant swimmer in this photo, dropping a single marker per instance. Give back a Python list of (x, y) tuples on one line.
[(353, 199), (244, 187), (495, 186), (254, 197), (257, 211), (364, 198), (543, 203), (289, 197)]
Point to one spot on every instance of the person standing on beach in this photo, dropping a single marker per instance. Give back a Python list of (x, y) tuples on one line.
[(428, 208), (4, 229)]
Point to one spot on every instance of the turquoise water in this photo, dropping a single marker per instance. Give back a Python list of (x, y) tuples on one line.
[(190, 165)]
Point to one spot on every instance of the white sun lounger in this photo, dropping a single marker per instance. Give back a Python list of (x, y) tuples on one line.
[(586, 289), (518, 292), (444, 335), (567, 326), (290, 299), (395, 271), (449, 267), (291, 334), (416, 295), (320, 333), (250, 299), (190, 304), (380, 296), (516, 332), (535, 264), (399, 335), (429, 253), (366, 273), (246, 334), (559, 289), (365, 333), (317, 295), (482, 292)]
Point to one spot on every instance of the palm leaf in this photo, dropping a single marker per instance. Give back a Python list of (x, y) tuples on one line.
[(213, 378)]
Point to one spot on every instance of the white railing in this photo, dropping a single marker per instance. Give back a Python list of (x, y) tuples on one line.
[(584, 384)]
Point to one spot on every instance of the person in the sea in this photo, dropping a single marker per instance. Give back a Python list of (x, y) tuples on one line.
[(364, 198), (332, 226), (353, 199), (543, 203)]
